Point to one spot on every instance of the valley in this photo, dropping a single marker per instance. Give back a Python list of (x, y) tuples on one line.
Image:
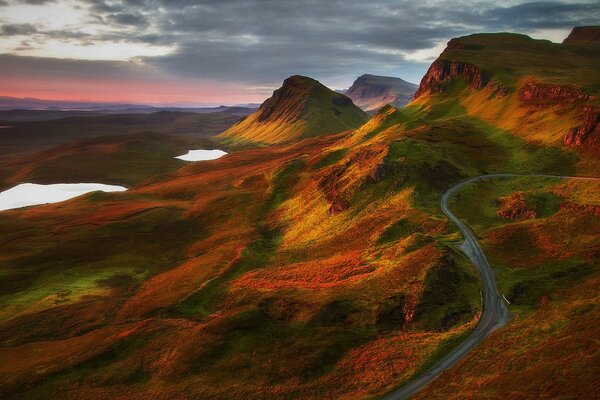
[(445, 248)]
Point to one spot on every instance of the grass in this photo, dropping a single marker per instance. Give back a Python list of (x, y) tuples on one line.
[(548, 269), (510, 56), (290, 272), (330, 158), (301, 108)]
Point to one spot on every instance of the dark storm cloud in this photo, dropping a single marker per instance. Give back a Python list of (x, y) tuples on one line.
[(37, 2), (17, 29), (125, 18), (262, 41), (35, 67), (266, 40), (546, 15)]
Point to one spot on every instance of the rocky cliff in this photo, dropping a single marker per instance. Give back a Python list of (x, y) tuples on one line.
[(547, 87), (581, 34), (442, 72)]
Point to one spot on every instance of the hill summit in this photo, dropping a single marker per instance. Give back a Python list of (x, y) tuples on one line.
[(302, 107), (371, 92)]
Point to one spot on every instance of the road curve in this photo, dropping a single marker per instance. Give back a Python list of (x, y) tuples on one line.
[(495, 314)]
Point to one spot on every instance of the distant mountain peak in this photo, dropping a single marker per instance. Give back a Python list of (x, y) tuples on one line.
[(371, 92), (301, 107)]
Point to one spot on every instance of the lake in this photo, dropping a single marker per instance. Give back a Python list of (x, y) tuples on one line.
[(31, 194), (202, 155)]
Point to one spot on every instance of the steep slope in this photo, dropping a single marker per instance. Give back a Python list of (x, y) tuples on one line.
[(301, 108), (581, 34), (541, 91), (371, 92)]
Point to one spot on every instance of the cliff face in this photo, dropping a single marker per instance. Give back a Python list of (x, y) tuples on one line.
[(588, 133), (532, 91), (524, 85), (441, 72), (581, 34)]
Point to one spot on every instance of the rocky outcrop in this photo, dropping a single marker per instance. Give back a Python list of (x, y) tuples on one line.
[(514, 207), (587, 134), (458, 44), (532, 92), (582, 34), (441, 72), (578, 208)]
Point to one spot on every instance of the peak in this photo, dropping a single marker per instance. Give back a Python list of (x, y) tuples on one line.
[(371, 77), (479, 41), (302, 107), (300, 80), (583, 34)]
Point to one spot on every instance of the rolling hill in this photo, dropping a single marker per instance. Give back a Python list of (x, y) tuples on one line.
[(371, 92), (301, 108), (323, 268)]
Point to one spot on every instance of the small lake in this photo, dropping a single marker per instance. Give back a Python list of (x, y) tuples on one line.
[(202, 155), (31, 194)]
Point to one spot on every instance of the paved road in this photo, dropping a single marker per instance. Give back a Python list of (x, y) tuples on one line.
[(495, 313)]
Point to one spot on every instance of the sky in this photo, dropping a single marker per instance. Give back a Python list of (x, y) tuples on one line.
[(184, 52)]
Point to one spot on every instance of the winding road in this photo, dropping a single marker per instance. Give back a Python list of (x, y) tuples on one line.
[(495, 314)]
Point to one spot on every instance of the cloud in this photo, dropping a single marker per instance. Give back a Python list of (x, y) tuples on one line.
[(258, 43), (17, 29), (125, 18)]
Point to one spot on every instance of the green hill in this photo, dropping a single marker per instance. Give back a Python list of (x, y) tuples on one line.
[(301, 108)]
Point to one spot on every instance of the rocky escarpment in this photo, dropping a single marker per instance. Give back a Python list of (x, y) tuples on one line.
[(582, 34), (442, 72), (535, 92), (588, 133)]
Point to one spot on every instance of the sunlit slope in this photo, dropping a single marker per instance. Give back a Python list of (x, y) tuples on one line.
[(318, 269), (543, 238), (301, 108), (546, 93), (285, 270)]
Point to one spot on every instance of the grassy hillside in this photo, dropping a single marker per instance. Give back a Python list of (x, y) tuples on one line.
[(319, 269), (547, 261), (542, 92), (122, 148), (301, 108), (29, 136)]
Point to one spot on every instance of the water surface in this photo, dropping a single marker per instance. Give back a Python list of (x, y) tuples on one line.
[(202, 155), (31, 194)]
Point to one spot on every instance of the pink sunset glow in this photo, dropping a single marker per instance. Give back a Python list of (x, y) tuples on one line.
[(141, 92)]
